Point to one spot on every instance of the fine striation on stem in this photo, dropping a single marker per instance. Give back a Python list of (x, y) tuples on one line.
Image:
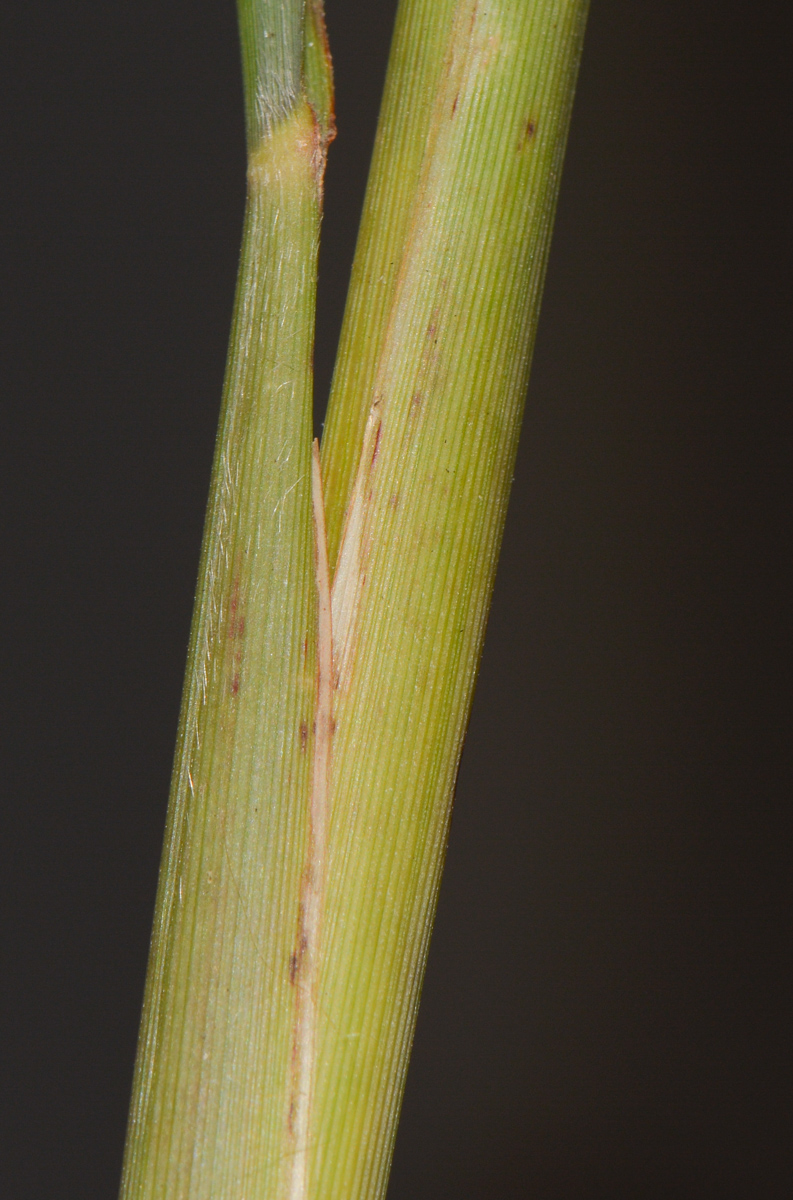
[(305, 961), (214, 1076), (298, 885), (417, 458)]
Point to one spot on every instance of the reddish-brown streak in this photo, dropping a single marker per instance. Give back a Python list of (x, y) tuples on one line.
[(377, 442), (320, 141), (319, 16), (454, 103), (303, 736)]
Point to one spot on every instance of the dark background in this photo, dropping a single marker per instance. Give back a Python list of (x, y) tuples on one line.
[(607, 1011)]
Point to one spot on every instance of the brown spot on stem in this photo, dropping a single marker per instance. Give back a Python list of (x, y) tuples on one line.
[(303, 736), (529, 130), (296, 957), (454, 103), (432, 328), (236, 628), (235, 685)]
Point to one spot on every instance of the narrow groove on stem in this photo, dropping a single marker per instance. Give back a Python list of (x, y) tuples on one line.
[(305, 962)]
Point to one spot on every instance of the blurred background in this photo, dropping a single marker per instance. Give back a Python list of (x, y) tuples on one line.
[(607, 1008)]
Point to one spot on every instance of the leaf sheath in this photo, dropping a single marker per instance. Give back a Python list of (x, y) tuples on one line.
[(417, 458)]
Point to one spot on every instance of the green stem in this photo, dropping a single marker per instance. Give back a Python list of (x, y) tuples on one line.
[(418, 455), (330, 677), (213, 1084)]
